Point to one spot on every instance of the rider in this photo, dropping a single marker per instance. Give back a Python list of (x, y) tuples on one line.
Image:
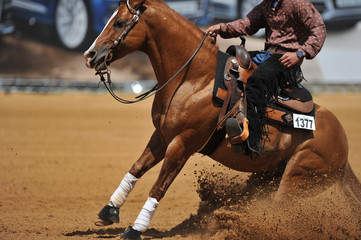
[(294, 31)]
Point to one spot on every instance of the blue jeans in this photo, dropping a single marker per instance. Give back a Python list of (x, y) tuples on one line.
[(261, 57)]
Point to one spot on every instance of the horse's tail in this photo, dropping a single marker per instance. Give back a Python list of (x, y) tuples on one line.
[(350, 185)]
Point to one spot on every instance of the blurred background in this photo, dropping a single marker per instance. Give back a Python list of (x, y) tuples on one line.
[(42, 42)]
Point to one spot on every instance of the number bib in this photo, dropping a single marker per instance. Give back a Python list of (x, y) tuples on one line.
[(304, 122)]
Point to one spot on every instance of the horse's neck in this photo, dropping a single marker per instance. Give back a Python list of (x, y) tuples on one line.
[(172, 41)]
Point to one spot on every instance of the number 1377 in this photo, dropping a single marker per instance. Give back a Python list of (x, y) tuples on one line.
[(304, 123)]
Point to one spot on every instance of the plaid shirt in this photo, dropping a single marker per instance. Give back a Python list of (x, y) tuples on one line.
[(294, 25)]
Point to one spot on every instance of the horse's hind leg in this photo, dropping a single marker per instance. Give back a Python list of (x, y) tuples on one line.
[(317, 161), (307, 173), (153, 154)]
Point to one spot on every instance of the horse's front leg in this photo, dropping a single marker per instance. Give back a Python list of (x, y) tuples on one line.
[(175, 158), (153, 154)]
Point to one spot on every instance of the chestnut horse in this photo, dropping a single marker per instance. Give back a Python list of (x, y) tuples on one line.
[(185, 115)]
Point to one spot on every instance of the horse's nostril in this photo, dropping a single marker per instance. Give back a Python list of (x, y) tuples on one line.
[(96, 56), (89, 57)]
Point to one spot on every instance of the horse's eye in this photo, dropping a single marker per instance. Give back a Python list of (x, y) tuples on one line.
[(119, 24)]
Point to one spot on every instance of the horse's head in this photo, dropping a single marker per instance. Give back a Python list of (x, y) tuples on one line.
[(114, 41)]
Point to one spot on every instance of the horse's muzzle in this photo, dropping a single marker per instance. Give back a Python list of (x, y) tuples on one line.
[(98, 58)]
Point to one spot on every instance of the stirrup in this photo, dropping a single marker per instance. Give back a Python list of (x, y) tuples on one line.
[(236, 134)]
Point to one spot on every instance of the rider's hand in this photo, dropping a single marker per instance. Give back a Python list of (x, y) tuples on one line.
[(289, 59), (214, 30)]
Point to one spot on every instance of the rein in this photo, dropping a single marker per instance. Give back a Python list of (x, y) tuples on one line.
[(108, 83)]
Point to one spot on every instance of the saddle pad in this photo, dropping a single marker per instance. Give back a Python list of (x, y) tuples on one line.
[(219, 77), (283, 115), (218, 135)]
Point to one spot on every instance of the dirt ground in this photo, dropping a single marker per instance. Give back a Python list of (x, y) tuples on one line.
[(63, 155)]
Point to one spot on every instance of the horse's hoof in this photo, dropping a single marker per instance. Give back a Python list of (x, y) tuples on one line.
[(107, 216), (131, 234), (100, 222)]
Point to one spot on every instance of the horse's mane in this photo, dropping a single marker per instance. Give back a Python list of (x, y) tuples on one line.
[(174, 14), (158, 1), (155, 1)]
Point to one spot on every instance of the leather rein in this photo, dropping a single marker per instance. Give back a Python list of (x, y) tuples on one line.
[(105, 74)]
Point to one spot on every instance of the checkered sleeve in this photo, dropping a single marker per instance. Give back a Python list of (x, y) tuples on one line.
[(313, 22), (246, 26)]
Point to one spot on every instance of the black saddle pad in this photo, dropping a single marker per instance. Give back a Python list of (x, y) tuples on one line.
[(219, 77), (218, 135)]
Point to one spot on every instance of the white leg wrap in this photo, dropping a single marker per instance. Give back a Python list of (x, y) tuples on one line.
[(120, 195), (143, 220)]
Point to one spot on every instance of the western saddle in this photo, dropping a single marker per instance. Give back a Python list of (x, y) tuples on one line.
[(238, 68)]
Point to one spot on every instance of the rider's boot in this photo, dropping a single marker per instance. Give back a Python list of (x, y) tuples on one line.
[(237, 130)]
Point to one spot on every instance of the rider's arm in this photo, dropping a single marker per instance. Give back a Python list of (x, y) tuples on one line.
[(246, 26), (313, 22)]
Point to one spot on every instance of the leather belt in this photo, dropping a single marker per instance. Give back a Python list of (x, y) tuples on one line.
[(275, 49)]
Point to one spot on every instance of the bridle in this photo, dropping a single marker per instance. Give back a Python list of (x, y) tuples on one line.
[(105, 74), (129, 26), (123, 34)]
